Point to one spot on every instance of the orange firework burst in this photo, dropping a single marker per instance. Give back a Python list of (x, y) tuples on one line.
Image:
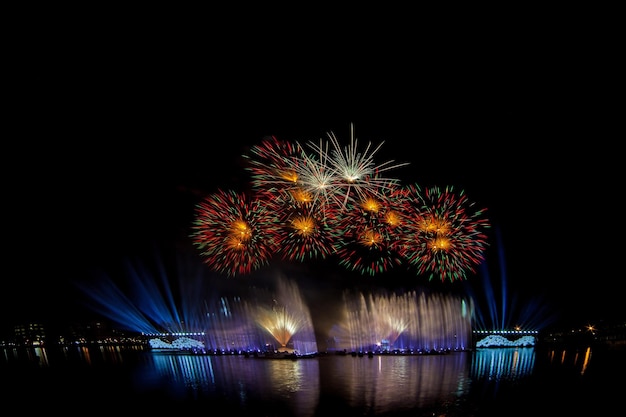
[(302, 231)]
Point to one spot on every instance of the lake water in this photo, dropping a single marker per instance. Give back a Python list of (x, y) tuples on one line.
[(485, 382)]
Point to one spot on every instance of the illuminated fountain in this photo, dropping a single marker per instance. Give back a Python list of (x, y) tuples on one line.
[(277, 320), (199, 308), (270, 314), (288, 320), (409, 322)]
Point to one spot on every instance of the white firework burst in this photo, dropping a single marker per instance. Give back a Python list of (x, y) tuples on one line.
[(317, 177), (355, 174)]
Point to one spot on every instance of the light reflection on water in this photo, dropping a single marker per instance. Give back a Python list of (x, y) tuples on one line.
[(378, 384), (235, 379), (576, 358), (387, 382), (506, 363), (382, 384)]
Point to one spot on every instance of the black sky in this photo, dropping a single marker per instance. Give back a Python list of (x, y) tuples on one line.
[(111, 149)]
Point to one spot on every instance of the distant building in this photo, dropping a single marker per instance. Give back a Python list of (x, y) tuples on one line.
[(30, 334)]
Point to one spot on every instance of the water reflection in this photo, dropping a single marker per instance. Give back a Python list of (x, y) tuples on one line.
[(98, 354), (32, 355), (574, 357), (345, 384), (93, 355), (235, 379), (387, 382), (505, 363), (379, 384)]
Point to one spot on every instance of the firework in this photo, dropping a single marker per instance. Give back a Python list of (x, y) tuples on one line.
[(335, 200), (317, 178), (331, 174), (302, 232), (368, 233), (445, 235), (273, 164), (292, 184), (233, 232), (347, 173)]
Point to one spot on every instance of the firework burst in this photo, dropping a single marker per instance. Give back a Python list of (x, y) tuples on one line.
[(273, 164), (233, 232), (368, 233), (445, 236), (302, 232), (336, 200), (317, 178), (352, 174), (288, 179)]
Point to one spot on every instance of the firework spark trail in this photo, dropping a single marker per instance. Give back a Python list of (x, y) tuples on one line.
[(445, 238)]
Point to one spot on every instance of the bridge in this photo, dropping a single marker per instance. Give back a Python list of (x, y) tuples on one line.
[(504, 338)]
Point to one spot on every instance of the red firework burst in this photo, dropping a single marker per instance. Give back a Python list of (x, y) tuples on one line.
[(445, 235), (272, 164), (233, 232)]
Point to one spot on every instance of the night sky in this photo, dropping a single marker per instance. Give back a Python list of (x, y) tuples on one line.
[(113, 149)]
